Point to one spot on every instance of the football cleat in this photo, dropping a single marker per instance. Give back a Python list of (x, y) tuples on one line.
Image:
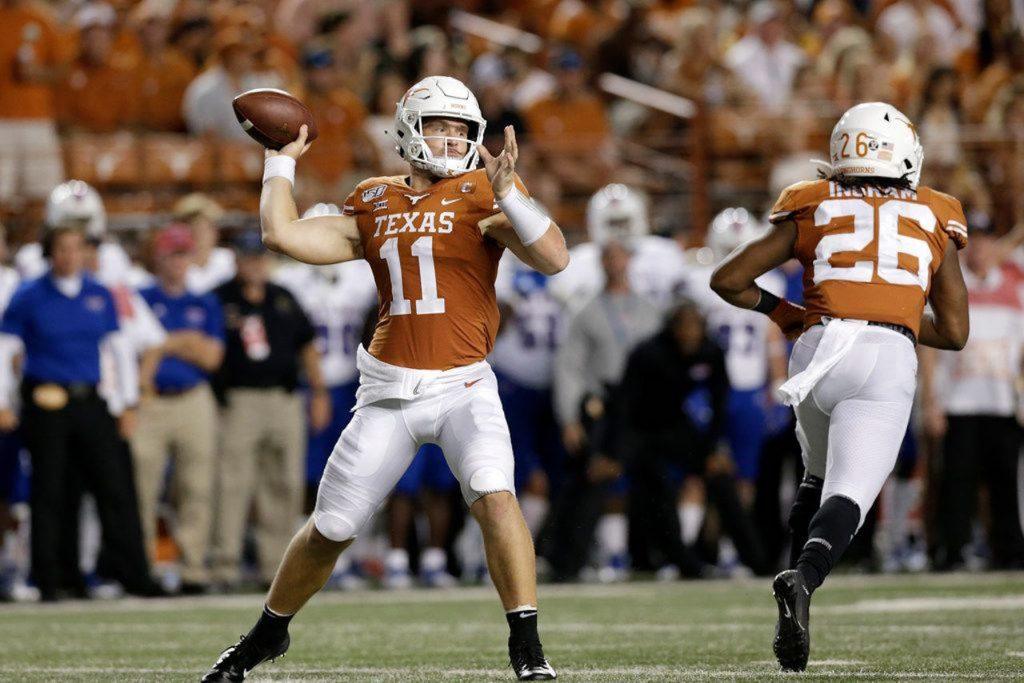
[(235, 663), (528, 661), (793, 631)]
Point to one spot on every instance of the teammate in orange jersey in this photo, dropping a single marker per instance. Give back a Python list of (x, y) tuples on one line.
[(875, 247), (433, 240)]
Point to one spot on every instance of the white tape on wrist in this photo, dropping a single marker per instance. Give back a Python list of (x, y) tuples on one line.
[(529, 222), (279, 166)]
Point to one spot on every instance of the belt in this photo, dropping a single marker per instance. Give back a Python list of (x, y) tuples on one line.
[(76, 390), (901, 329)]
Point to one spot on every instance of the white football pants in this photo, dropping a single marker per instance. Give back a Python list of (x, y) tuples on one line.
[(458, 409), (852, 423)]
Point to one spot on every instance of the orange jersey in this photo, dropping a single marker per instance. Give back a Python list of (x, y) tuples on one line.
[(433, 266), (868, 254), (27, 35)]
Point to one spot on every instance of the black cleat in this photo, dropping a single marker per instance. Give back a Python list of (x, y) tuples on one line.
[(528, 661), (793, 631), (235, 663)]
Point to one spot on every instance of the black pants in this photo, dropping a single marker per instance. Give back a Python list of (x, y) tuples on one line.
[(75, 449), (976, 449)]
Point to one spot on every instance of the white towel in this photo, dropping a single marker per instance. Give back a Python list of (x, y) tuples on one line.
[(379, 381), (838, 338)]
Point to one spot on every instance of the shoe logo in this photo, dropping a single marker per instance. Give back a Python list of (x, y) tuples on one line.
[(468, 385), (789, 615), (446, 202), (415, 198), (523, 615)]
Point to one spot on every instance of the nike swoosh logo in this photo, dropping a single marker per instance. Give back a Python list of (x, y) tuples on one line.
[(446, 202), (469, 384), (525, 615)]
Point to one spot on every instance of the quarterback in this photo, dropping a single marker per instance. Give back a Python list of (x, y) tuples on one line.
[(875, 248), (433, 240)]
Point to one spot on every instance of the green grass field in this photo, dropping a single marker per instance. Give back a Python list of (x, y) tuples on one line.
[(863, 628)]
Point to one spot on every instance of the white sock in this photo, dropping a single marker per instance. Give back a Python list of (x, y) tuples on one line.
[(397, 560), (691, 519), (433, 560), (612, 536), (535, 511)]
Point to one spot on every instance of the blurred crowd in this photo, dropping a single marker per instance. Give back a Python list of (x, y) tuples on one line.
[(646, 431)]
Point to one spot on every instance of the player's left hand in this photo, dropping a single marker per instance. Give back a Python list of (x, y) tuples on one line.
[(319, 411), (501, 169)]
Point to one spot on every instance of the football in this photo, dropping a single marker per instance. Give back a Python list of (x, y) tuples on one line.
[(272, 117)]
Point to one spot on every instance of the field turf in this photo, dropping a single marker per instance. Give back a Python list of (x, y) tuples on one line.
[(937, 627)]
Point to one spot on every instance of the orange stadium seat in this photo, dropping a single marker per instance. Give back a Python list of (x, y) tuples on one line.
[(103, 159), (240, 162), (176, 160)]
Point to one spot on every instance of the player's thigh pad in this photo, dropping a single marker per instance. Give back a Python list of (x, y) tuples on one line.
[(475, 439), (869, 415), (369, 458)]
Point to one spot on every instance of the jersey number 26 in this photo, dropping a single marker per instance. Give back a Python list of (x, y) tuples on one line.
[(890, 242)]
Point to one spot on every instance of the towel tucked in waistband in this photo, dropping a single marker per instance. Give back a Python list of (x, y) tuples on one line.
[(836, 341), (379, 381)]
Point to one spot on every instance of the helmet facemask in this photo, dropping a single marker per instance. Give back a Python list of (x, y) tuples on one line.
[(446, 165)]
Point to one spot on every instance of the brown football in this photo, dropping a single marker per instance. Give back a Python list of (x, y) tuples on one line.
[(272, 117)]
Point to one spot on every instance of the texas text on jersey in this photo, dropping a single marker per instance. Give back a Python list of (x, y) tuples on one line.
[(434, 268), (869, 253)]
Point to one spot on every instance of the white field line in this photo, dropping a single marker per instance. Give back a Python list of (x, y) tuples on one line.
[(934, 604)]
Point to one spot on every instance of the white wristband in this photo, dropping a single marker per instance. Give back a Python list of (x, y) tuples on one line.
[(529, 222), (279, 166)]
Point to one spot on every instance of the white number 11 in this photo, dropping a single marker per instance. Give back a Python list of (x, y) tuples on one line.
[(423, 250)]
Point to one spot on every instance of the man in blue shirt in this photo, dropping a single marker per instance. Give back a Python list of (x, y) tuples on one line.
[(57, 323), (178, 411)]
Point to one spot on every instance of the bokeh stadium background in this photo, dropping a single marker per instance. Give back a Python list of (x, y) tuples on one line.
[(698, 104)]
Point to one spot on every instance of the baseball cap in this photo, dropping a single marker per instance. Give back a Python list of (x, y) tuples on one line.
[(175, 238), (197, 204), (249, 243)]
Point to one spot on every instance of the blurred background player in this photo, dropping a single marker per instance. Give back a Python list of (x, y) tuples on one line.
[(212, 265), (77, 201), (656, 264)]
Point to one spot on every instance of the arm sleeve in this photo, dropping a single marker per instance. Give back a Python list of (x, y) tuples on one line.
[(570, 370), (366, 191)]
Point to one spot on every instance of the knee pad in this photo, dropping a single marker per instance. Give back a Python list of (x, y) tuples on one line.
[(334, 527), (805, 504), (487, 479)]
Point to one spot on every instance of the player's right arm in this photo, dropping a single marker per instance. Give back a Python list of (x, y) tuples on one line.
[(948, 326), (321, 240)]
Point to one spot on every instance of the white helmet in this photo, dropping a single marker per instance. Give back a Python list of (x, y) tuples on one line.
[(616, 212), (876, 139), (731, 228), (75, 201), (322, 209), (443, 97)]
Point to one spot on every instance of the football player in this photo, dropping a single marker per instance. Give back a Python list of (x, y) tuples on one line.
[(433, 239), (875, 248), (754, 349), (617, 212)]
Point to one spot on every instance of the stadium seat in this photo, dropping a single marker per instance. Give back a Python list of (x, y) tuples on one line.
[(103, 160), (177, 159), (240, 162)]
